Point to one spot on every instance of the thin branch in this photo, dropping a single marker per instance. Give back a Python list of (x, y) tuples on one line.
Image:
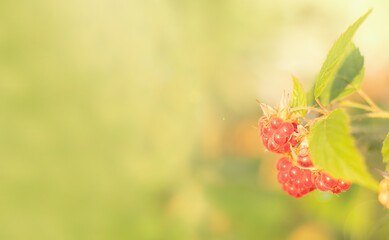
[(368, 100), (356, 105), (321, 105), (308, 108)]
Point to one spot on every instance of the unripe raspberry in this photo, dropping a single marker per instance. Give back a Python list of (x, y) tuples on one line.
[(384, 185), (383, 198)]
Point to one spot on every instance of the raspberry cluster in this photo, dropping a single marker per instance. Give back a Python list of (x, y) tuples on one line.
[(277, 135), (383, 195), (282, 133), (295, 181), (298, 181)]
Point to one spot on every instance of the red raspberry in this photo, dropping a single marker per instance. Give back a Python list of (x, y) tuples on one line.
[(283, 177), (328, 181), (272, 146), (284, 148), (283, 164), (307, 179), (336, 190), (276, 122), (293, 140), (295, 172), (279, 138), (267, 131), (320, 185), (287, 128), (305, 161), (344, 185), (265, 140)]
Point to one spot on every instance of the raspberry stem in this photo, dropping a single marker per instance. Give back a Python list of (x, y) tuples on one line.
[(369, 101), (308, 108)]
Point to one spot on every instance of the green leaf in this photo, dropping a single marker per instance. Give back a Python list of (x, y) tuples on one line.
[(335, 56), (385, 151), (348, 77), (333, 149), (299, 98)]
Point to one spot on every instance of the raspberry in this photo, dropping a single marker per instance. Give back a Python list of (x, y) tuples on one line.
[(384, 185), (284, 148), (275, 122), (265, 140), (336, 190), (267, 131), (287, 128), (293, 140), (283, 164), (272, 145), (295, 172), (283, 177), (305, 161), (294, 180), (344, 185), (328, 181), (320, 185), (383, 198), (383, 195), (307, 179), (279, 138)]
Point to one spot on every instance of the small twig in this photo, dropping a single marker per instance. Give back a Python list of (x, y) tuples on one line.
[(368, 100), (356, 105), (379, 114), (321, 105), (308, 108)]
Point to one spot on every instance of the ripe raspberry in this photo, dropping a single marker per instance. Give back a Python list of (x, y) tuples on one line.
[(336, 190), (307, 179), (283, 164), (283, 177), (267, 131), (295, 172), (279, 138), (344, 185), (276, 122), (295, 181), (320, 185), (287, 128), (328, 181), (305, 161)]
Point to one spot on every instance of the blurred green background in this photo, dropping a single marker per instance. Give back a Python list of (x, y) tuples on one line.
[(137, 119)]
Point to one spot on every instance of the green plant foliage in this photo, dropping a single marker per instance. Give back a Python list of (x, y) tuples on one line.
[(332, 148), (336, 55), (348, 77), (299, 98), (385, 151)]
